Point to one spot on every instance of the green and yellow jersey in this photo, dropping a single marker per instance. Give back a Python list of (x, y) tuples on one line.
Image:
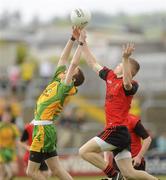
[(49, 104)]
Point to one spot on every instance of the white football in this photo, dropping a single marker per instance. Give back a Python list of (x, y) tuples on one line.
[(80, 17)]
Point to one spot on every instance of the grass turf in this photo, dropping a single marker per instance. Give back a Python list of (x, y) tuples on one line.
[(81, 178)]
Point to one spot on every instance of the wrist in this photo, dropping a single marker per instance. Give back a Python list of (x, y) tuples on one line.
[(125, 57), (72, 38), (81, 43), (140, 156)]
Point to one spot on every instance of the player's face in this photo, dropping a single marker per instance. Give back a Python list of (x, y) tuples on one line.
[(119, 69)]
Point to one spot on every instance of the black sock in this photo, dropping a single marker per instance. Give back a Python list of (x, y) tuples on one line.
[(110, 171)]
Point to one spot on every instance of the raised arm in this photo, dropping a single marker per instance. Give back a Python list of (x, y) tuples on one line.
[(90, 59), (66, 51), (127, 76), (75, 60)]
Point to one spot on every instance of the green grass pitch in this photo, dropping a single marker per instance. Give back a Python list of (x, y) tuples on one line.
[(82, 178)]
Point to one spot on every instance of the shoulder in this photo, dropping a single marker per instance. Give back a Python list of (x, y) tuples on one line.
[(133, 90), (105, 73)]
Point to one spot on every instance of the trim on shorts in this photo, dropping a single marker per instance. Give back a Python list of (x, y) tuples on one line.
[(123, 155), (104, 146)]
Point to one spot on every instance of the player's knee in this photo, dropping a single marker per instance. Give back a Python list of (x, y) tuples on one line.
[(128, 175), (82, 152), (57, 172), (29, 173)]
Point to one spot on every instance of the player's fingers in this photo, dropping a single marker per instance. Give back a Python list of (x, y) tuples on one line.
[(123, 47), (132, 45)]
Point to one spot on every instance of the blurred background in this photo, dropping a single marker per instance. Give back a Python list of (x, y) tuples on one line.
[(34, 33)]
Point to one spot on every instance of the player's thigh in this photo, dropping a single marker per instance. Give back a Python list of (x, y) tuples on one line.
[(90, 146), (125, 166), (54, 164), (32, 167)]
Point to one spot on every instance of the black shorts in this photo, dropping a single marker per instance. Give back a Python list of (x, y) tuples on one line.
[(43, 166), (40, 157), (118, 136)]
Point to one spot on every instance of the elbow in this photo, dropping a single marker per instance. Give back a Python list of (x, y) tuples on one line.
[(127, 86), (149, 139)]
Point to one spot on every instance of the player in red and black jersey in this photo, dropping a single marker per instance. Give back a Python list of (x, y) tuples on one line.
[(140, 142), (120, 88)]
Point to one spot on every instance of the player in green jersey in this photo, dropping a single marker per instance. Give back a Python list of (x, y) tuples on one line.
[(49, 105)]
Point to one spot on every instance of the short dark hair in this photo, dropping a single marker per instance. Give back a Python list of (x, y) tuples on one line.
[(78, 78), (135, 66)]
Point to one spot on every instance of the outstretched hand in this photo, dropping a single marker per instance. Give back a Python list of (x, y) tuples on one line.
[(76, 32), (128, 49), (136, 161)]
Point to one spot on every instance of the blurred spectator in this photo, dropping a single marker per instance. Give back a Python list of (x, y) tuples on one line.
[(161, 143), (16, 112), (8, 141), (3, 81), (27, 72), (16, 109), (46, 69), (2, 106), (14, 77)]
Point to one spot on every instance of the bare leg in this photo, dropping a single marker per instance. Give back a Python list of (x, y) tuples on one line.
[(91, 153), (127, 170), (57, 169), (2, 171), (33, 171)]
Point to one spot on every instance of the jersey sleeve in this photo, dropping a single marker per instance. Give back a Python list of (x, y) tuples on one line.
[(59, 70), (24, 136), (133, 90), (140, 130), (106, 73)]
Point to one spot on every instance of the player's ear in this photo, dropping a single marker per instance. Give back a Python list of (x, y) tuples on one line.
[(73, 79)]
